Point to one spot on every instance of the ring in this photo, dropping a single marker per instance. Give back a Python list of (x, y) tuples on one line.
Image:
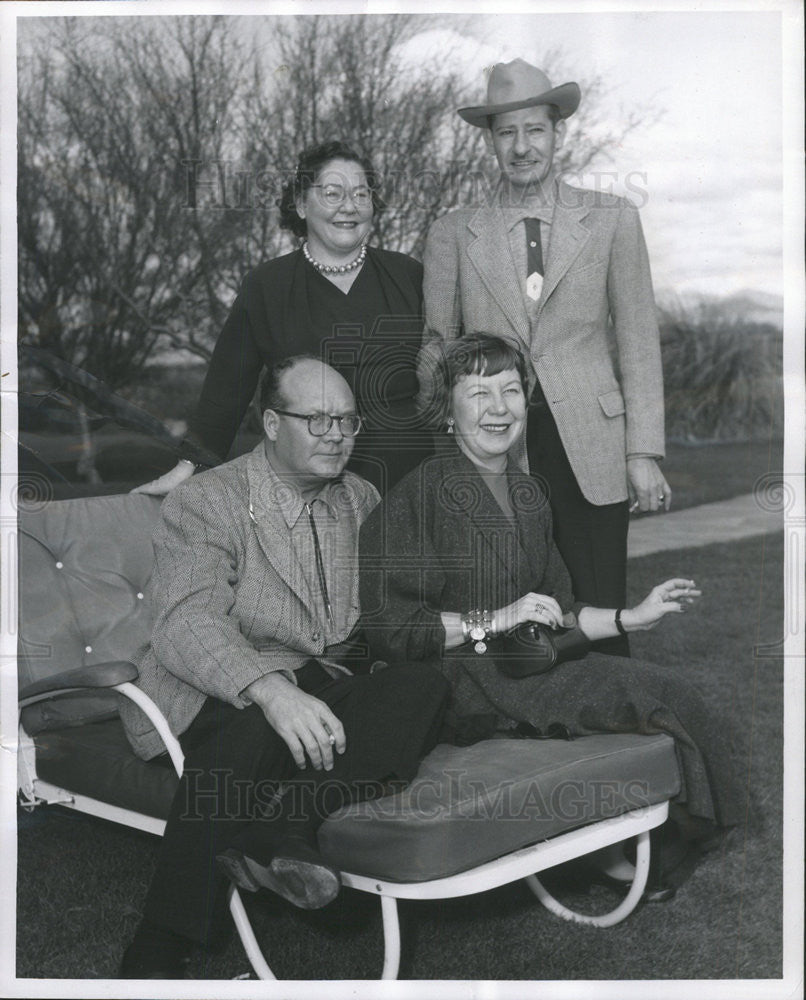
[(332, 739), (661, 498), (540, 607)]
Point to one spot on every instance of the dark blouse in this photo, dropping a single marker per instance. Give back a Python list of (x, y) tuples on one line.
[(371, 335)]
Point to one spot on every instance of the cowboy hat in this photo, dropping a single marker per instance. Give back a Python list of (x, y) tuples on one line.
[(515, 85)]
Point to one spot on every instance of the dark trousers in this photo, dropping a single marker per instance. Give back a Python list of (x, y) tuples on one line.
[(591, 539), (235, 763)]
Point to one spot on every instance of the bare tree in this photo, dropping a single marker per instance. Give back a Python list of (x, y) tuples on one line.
[(112, 259), (346, 77), (152, 151)]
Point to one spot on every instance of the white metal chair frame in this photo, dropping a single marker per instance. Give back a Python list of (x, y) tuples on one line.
[(523, 863)]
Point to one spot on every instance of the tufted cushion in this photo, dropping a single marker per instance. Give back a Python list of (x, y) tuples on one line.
[(83, 569), (469, 805)]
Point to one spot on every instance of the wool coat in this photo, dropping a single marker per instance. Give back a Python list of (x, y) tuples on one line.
[(440, 542), (594, 342)]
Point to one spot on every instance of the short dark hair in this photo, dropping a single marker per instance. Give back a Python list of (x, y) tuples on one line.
[(475, 354), (271, 396), (552, 110), (309, 166)]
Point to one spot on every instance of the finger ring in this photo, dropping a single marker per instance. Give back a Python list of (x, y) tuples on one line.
[(332, 739), (540, 607), (661, 498)]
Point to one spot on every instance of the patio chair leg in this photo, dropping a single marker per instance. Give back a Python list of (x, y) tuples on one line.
[(391, 938), (623, 910), (247, 936)]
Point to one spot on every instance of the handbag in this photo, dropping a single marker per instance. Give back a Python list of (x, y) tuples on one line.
[(532, 648)]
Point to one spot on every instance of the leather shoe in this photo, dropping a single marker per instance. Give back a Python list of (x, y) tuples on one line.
[(658, 891), (297, 872)]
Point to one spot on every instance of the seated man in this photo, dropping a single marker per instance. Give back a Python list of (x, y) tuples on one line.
[(255, 593)]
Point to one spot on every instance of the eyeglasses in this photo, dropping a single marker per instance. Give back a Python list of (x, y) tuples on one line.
[(335, 194), (320, 423)]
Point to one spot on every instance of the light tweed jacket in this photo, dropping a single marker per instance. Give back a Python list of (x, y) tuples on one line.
[(597, 271), (228, 599)]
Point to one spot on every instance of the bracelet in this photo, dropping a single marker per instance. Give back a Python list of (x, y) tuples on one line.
[(477, 625), (465, 629), (619, 626)]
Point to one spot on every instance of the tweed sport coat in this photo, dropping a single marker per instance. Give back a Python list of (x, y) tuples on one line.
[(597, 271), (229, 604)]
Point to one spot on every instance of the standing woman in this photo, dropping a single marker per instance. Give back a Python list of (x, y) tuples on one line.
[(355, 307)]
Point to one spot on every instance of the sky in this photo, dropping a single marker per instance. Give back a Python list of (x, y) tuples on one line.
[(708, 174)]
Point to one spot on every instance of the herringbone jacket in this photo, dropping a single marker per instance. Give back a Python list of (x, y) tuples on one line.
[(597, 273)]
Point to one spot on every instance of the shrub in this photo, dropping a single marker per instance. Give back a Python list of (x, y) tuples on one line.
[(722, 377)]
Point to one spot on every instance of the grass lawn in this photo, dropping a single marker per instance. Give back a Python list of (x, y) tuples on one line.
[(704, 473), (696, 473), (82, 882)]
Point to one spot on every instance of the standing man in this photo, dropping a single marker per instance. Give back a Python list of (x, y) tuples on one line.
[(552, 268), (255, 593)]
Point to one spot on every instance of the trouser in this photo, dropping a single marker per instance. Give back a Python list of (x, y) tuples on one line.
[(592, 539), (235, 762)]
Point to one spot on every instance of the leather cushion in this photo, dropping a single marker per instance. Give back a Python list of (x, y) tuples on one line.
[(467, 805), (473, 804), (96, 760), (83, 570)]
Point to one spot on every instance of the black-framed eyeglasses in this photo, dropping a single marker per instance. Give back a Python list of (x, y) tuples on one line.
[(335, 194), (320, 423)]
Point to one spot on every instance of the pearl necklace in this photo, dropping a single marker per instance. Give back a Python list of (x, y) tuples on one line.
[(334, 268)]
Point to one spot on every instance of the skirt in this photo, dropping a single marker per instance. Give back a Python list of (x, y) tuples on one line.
[(610, 694)]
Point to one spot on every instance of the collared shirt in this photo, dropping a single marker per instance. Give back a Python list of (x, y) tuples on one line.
[(337, 533)]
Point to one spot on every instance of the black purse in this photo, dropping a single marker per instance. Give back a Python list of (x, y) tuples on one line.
[(531, 648)]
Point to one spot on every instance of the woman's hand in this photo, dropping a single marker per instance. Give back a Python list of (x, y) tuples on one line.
[(529, 608), (672, 597), (159, 487)]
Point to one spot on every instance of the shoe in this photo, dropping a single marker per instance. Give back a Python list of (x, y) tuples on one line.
[(659, 891), (144, 963), (297, 872)]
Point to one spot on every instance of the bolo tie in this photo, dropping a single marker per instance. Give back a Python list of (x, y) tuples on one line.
[(320, 567)]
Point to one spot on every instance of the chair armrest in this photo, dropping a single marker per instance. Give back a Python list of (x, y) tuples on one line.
[(99, 675)]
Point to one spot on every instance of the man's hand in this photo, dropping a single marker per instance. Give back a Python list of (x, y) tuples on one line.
[(647, 488), (162, 486), (305, 723)]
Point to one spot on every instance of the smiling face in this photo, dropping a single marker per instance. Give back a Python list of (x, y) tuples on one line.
[(337, 226), (524, 142), (489, 412), (295, 454)]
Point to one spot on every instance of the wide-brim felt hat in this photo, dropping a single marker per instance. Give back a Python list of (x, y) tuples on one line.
[(517, 84)]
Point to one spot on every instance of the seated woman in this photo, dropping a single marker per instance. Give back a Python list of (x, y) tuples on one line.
[(461, 550), (355, 307)]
